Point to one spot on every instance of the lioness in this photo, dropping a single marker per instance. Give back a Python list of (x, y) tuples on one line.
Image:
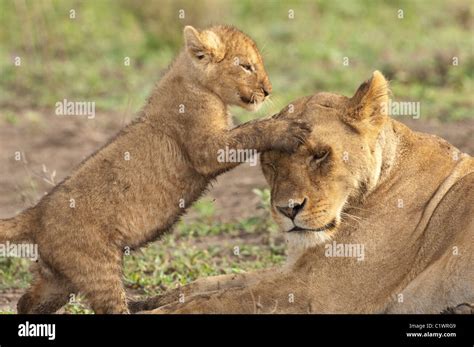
[(405, 198), (135, 188)]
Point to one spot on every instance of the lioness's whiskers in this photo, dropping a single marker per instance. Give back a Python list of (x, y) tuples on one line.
[(354, 218), (357, 208)]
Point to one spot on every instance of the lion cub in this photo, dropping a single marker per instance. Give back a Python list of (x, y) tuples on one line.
[(136, 187)]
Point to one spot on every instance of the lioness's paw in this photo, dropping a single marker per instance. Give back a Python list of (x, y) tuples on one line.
[(460, 309), (159, 310), (200, 303), (155, 301)]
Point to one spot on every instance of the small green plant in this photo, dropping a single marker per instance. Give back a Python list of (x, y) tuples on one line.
[(264, 195), (14, 273), (7, 312), (205, 209), (77, 307), (11, 118)]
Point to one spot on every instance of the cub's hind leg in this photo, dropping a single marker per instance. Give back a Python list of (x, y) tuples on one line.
[(107, 295), (92, 265), (48, 293), (100, 280)]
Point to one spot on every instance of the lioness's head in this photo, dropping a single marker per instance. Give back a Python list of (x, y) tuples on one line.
[(338, 165), (227, 61)]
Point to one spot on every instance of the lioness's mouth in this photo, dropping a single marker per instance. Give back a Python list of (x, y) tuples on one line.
[(326, 227)]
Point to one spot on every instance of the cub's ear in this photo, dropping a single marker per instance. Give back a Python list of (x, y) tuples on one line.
[(205, 46), (369, 103)]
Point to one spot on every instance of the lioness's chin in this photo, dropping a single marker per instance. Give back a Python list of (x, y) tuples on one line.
[(308, 239), (298, 243), (300, 239)]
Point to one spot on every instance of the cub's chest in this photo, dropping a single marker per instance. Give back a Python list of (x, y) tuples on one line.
[(221, 120), (229, 120)]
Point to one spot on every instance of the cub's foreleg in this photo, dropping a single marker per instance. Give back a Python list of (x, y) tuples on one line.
[(248, 138)]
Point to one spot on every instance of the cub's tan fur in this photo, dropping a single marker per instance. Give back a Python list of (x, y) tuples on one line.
[(133, 190), (361, 178)]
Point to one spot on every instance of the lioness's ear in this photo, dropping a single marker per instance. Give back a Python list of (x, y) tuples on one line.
[(205, 45), (370, 100)]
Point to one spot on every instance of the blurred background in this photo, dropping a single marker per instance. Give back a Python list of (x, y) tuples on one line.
[(76, 50)]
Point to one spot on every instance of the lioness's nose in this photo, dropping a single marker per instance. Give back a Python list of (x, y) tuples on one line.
[(292, 209)]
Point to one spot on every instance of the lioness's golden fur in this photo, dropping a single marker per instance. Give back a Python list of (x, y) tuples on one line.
[(362, 178), (135, 188)]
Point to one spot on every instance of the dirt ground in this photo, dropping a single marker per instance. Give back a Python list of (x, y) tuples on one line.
[(50, 144)]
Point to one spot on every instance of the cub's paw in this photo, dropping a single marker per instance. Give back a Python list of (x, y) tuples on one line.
[(290, 134)]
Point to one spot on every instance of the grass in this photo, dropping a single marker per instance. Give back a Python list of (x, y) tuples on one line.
[(14, 273), (83, 58)]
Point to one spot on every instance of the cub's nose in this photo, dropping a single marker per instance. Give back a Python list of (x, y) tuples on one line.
[(265, 92), (293, 210)]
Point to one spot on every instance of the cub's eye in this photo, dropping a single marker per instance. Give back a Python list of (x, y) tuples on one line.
[(247, 67), (320, 156)]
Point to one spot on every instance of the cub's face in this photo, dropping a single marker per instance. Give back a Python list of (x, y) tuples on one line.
[(229, 63), (339, 163)]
